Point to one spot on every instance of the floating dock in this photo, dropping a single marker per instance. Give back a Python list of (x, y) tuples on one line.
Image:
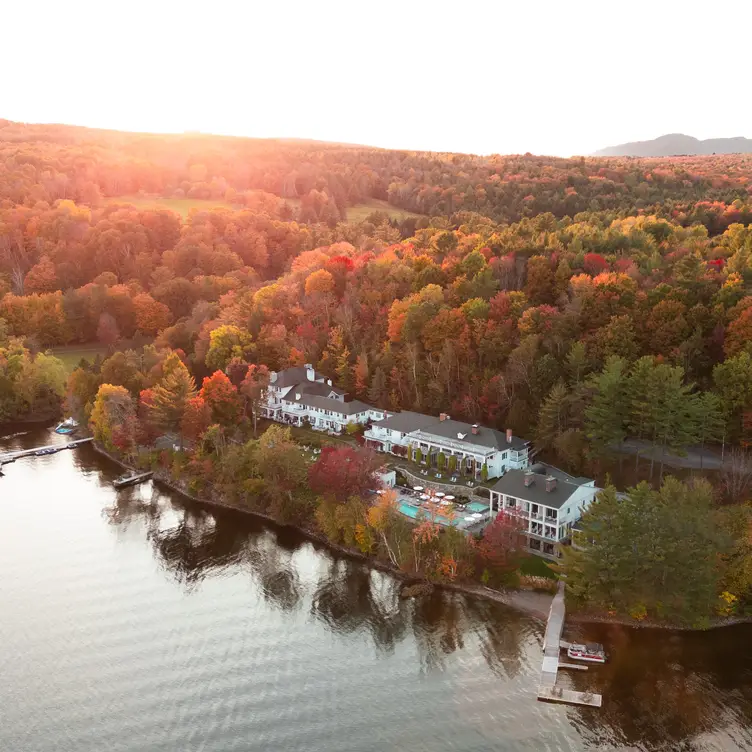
[(552, 645), (9, 457), (131, 480)]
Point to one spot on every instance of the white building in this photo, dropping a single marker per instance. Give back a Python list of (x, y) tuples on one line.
[(472, 446), (548, 500), (301, 395)]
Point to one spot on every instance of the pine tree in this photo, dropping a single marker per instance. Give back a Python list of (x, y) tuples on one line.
[(552, 417), (171, 397), (607, 415)]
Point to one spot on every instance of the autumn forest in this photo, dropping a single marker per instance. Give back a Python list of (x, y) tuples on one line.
[(580, 302)]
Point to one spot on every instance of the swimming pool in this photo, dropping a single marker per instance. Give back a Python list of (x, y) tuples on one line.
[(478, 506), (408, 509)]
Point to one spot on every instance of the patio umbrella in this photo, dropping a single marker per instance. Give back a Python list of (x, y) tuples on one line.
[(440, 494), (425, 496), (417, 488), (449, 498), (469, 519), (477, 515)]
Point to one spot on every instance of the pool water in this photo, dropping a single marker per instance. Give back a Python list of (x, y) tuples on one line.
[(477, 506), (408, 509)]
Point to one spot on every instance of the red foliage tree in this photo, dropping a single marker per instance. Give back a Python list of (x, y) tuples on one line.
[(342, 472), (222, 398), (502, 544), (196, 419), (594, 264)]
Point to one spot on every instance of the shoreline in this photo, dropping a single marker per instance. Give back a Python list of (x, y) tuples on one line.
[(531, 602)]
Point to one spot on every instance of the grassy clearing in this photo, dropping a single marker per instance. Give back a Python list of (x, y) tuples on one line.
[(179, 205), (536, 566), (71, 355), (360, 212)]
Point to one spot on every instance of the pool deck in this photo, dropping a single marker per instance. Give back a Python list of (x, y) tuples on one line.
[(469, 527)]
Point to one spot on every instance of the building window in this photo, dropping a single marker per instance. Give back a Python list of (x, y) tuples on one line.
[(511, 502), (503, 455)]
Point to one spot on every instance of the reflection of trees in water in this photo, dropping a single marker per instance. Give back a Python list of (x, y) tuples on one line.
[(197, 545), (661, 690), (272, 566), (131, 506), (439, 625), (350, 597), (502, 634)]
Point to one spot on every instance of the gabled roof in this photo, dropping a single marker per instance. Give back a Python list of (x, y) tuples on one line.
[(296, 375), (318, 389), (512, 483), (406, 421), (342, 408), (486, 437)]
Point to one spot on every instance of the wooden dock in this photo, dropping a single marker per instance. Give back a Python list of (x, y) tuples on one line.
[(552, 646), (8, 457)]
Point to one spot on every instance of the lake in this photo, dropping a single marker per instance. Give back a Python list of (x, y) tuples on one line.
[(137, 621)]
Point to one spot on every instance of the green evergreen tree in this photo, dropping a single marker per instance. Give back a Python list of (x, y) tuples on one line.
[(607, 415), (552, 417)]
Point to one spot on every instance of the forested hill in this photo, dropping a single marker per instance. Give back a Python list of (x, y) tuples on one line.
[(677, 143), (51, 162)]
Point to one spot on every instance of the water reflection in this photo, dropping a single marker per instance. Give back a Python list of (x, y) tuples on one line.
[(295, 618)]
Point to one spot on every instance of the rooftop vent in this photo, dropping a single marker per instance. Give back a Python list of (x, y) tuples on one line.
[(297, 395), (461, 435)]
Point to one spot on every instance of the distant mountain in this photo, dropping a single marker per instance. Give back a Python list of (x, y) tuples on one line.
[(673, 144)]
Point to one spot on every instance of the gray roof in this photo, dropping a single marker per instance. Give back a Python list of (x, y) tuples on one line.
[(406, 421), (512, 483), (343, 408), (292, 376), (486, 437), (318, 389)]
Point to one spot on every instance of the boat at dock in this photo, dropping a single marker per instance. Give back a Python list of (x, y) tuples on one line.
[(130, 479), (68, 426), (592, 652), (47, 450)]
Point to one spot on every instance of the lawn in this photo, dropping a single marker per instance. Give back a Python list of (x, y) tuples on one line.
[(360, 212), (179, 205), (536, 566), (71, 355)]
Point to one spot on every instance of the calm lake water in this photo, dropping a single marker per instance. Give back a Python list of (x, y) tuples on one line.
[(135, 621)]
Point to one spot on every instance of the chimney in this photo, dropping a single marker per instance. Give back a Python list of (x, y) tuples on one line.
[(310, 373), (475, 429), (272, 377), (509, 435), (442, 417), (550, 483), (529, 478)]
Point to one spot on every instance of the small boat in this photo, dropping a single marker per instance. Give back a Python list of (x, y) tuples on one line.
[(592, 652), (47, 450), (130, 479), (68, 426)]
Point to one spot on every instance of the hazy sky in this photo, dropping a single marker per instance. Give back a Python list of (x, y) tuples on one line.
[(564, 77)]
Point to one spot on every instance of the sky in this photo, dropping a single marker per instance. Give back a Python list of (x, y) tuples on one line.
[(560, 78)]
